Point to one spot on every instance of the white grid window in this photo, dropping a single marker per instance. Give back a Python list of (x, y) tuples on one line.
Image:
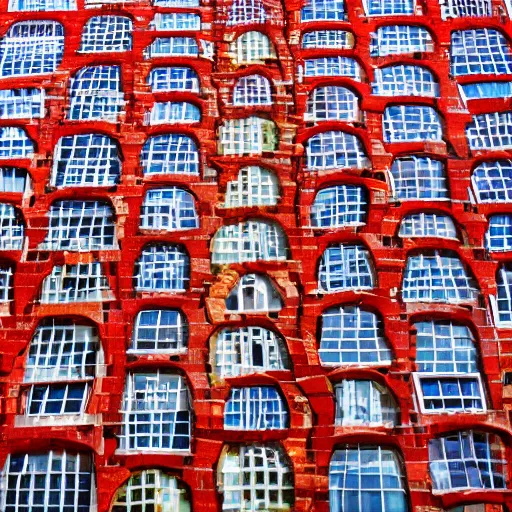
[(31, 48), (86, 160), (364, 478), (467, 460), (104, 34), (96, 94), (420, 225), (398, 39), (254, 293), (150, 490), (334, 66), (345, 267), (332, 102), (168, 209), (252, 90), (55, 481), (164, 267), (246, 12), (502, 303), (498, 237), (171, 153), (417, 178), (482, 51), (21, 103), (255, 408), (335, 149), (6, 288), (339, 39), (388, 7), (255, 477), (364, 402), (41, 5), (84, 282), (405, 80), (485, 90), (176, 21), (438, 276), (11, 228), (176, 3), (247, 350), (15, 143), (490, 131), (172, 46), (156, 413), (167, 79), (251, 135), (13, 179), (251, 240), (160, 330), (465, 8), (339, 206), (323, 10), (252, 47), (254, 186), (352, 336), (410, 123), (492, 182), (173, 112)]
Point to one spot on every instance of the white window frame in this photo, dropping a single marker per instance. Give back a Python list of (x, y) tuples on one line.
[(401, 39), (411, 123), (12, 228), (173, 78), (493, 167), (346, 67), (20, 103), (405, 80), (246, 136), (343, 206), (255, 289), (323, 10), (426, 224), (172, 112), (15, 143), (254, 186), (332, 103), (491, 131), (252, 90), (107, 34), (252, 47)]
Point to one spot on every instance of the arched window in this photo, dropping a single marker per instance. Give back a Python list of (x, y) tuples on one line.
[(345, 267), (156, 413), (162, 267), (11, 228), (255, 408), (405, 80), (339, 206), (467, 460), (335, 149), (252, 48), (168, 79), (492, 182), (15, 143), (334, 66), (339, 39), (254, 186), (254, 293), (492, 131), (352, 336), (96, 94), (364, 402), (366, 478), (172, 46), (498, 237), (332, 102), (173, 112), (104, 34), (22, 103), (502, 303), (389, 7), (323, 10), (6, 282), (421, 225), (171, 153), (251, 240), (31, 48), (247, 350), (41, 5), (438, 276), (151, 489), (246, 12), (250, 135), (411, 123), (176, 21), (400, 39), (463, 9), (86, 160), (13, 179), (252, 90)]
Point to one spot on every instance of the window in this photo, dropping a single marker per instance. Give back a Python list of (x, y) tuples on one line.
[(332, 102), (364, 402), (167, 79), (21, 103), (490, 131), (47, 482), (104, 34), (246, 350), (160, 330), (31, 48), (156, 413), (41, 5), (421, 225), (251, 240), (438, 276), (498, 237), (485, 90), (335, 149), (492, 182), (96, 94), (388, 7), (418, 178), (246, 12), (364, 478), (172, 46), (482, 51), (6, 288), (151, 489), (173, 112), (168, 209), (465, 8), (323, 10), (86, 160), (352, 336), (176, 3), (11, 228), (255, 408), (254, 186), (334, 66), (405, 80), (84, 282), (14, 143), (13, 179), (477, 507), (176, 21), (172, 153), (339, 39), (254, 293), (255, 477), (251, 135), (410, 123), (397, 39), (252, 90), (252, 48), (502, 303), (162, 267), (339, 206), (467, 460), (345, 267)]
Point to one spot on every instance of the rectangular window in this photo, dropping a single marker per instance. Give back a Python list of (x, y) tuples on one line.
[(57, 399), (21, 103), (252, 135), (176, 21)]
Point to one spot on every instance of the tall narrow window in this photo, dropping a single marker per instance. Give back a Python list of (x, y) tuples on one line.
[(492, 182), (502, 302), (251, 135), (173, 112), (252, 90), (410, 123), (172, 46), (15, 143), (332, 102), (334, 66), (389, 7), (405, 80), (465, 8), (172, 153), (41, 5), (492, 131), (339, 206), (499, 233), (11, 228), (6, 283), (400, 39), (421, 225), (167, 79), (254, 293), (323, 10), (254, 186), (13, 179), (252, 48), (104, 34), (22, 103), (246, 12), (339, 39)]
